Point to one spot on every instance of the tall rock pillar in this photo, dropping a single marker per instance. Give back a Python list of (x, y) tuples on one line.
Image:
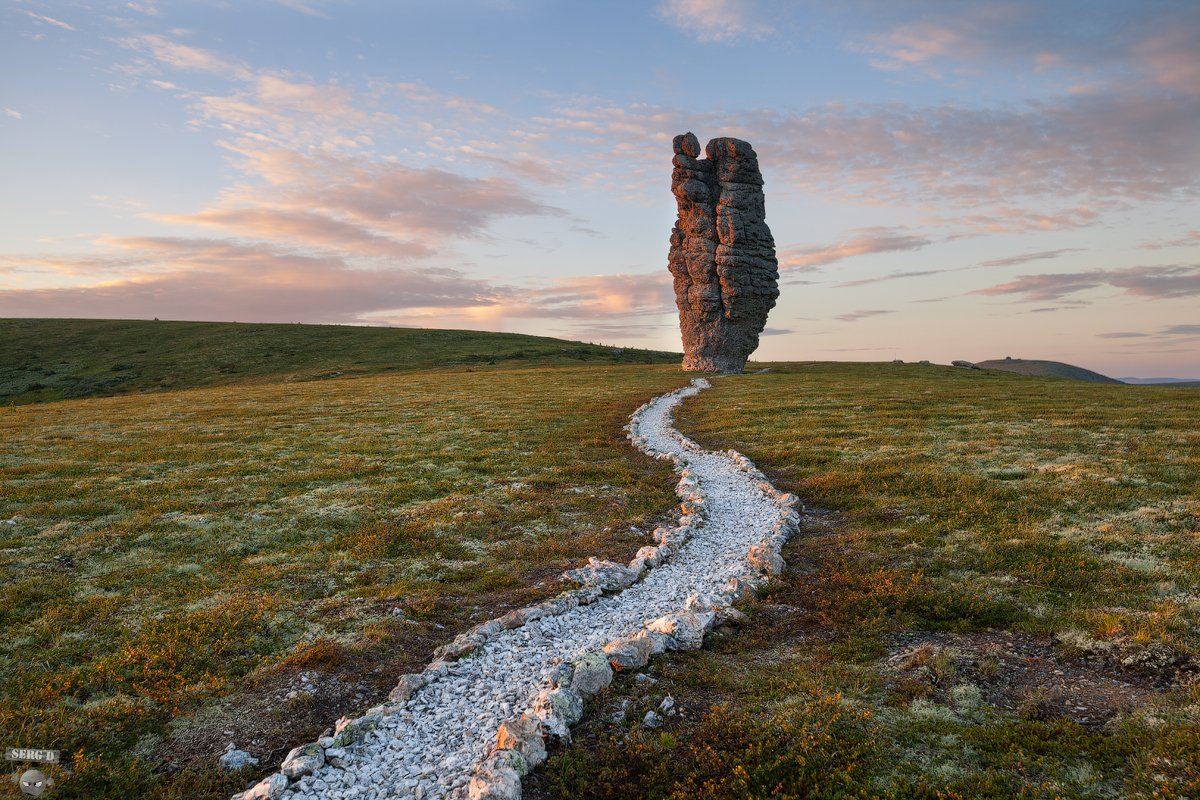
[(722, 253)]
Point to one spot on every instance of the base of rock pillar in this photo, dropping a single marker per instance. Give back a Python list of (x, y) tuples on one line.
[(725, 366)]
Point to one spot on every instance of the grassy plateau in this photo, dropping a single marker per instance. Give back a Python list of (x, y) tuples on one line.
[(248, 562), (997, 592)]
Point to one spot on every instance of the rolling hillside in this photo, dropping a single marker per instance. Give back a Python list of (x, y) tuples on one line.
[(57, 359), (1045, 369)]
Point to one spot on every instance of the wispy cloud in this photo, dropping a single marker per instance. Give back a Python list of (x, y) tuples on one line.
[(187, 58), (855, 316), (599, 305), (1047, 164), (1152, 282), (297, 226), (891, 276), (58, 23), (227, 280), (865, 242), (1025, 258), (1155, 42), (1189, 239), (8, 112), (304, 8), (715, 20)]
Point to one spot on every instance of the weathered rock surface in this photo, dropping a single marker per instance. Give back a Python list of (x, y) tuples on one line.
[(303, 760), (592, 673), (234, 759), (606, 575), (722, 253)]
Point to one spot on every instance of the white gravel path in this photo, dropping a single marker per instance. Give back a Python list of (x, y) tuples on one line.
[(428, 746)]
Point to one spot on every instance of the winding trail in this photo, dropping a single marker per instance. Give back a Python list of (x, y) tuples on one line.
[(431, 743)]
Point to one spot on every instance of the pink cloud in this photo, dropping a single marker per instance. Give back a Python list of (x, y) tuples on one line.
[(1151, 282), (1025, 258), (1189, 239), (868, 241), (225, 280), (306, 227), (715, 20), (187, 58), (865, 313), (58, 23)]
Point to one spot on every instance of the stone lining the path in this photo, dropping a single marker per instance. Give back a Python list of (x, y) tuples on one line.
[(473, 723)]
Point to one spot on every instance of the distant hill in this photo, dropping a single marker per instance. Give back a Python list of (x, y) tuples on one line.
[(1187, 382), (55, 359), (1045, 369)]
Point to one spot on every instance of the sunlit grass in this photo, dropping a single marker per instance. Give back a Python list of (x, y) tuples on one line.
[(985, 528), (163, 551)]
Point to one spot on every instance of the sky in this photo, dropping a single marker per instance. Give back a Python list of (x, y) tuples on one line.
[(944, 180)]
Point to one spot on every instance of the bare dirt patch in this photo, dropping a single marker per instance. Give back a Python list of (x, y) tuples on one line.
[(1034, 676)]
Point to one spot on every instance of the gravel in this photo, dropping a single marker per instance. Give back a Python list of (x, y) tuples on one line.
[(429, 745)]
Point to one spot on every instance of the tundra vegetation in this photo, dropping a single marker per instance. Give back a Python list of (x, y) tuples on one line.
[(996, 596), (247, 562)]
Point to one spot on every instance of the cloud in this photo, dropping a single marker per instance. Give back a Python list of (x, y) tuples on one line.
[(894, 276), (1122, 335), (304, 8), (226, 280), (1106, 148), (301, 227), (1020, 220), (50, 21), (867, 241), (8, 112), (855, 316), (597, 296), (714, 20), (776, 331), (1044, 164), (1152, 42), (1181, 330), (1169, 55), (319, 225), (187, 58), (594, 305), (1152, 282), (1025, 258), (1189, 239)]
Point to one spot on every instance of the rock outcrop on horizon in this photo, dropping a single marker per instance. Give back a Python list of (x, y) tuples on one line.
[(722, 253)]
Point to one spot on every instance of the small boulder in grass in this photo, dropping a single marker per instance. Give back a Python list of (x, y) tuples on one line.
[(303, 760), (233, 759)]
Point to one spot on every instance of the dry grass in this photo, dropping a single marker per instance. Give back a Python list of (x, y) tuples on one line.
[(166, 551), (1061, 518)]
